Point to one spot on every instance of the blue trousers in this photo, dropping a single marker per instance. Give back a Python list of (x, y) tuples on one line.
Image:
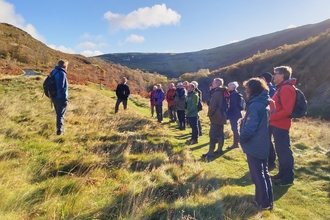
[(284, 154), (261, 179), (60, 109), (193, 122)]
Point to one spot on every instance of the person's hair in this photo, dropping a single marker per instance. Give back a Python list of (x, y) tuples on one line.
[(63, 63), (256, 86), (185, 83), (286, 70), (154, 87), (219, 81), (124, 78), (159, 85), (195, 83)]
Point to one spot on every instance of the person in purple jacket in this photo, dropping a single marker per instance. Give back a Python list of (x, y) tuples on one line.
[(159, 97)]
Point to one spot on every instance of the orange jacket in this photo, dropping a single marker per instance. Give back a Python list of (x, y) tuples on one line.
[(283, 108)]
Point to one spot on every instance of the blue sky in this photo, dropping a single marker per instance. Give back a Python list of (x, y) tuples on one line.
[(118, 26)]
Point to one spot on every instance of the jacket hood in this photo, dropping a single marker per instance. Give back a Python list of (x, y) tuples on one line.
[(291, 81), (263, 98)]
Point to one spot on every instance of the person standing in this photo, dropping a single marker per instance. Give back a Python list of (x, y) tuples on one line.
[(159, 97), (122, 93), (192, 113), (284, 101), (180, 104), (152, 101), (217, 116), (170, 95), (61, 100), (268, 77), (254, 139), (199, 92), (234, 112)]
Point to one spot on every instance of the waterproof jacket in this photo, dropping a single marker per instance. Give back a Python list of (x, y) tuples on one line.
[(234, 110), (214, 113), (151, 96), (282, 109), (61, 83), (122, 91), (192, 101), (254, 131), (180, 99), (159, 97), (170, 95)]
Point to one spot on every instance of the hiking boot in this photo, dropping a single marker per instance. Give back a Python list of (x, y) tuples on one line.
[(283, 183), (219, 152), (232, 147), (276, 177), (255, 204), (191, 142)]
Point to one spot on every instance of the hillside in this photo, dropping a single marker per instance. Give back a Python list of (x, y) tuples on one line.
[(127, 166), (18, 51), (173, 65)]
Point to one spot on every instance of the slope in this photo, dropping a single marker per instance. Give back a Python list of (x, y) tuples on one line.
[(173, 65), (127, 166)]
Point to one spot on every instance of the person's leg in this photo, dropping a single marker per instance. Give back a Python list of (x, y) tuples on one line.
[(181, 119), (158, 112), (194, 129), (284, 154), (213, 133), (125, 104), (256, 167), (170, 113), (174, 113), (152, 109), (234, 128), (117, 105), (200, 133), (268, 183), (272, 155), (60, 109), (221, 138)]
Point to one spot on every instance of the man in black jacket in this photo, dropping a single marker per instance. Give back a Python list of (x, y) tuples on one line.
[(122, 93)]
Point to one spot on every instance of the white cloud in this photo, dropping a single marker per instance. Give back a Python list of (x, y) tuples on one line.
[(133, 38), (92, 37), (62, 49), (8, 15), (89, 53), (143, 18), (291, 26), (233, 41), (86, 44)]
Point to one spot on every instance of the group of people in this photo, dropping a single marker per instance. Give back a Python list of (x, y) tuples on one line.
[(266, 116)]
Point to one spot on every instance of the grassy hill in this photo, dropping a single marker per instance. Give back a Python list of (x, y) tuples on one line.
[(18, 51), (175, 64), (127, 166)]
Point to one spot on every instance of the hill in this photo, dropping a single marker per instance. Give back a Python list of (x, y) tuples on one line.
[(18, 51), (127, 166), (175, 64)]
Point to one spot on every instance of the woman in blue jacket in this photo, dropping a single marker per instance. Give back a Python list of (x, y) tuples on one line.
[(254, 139)]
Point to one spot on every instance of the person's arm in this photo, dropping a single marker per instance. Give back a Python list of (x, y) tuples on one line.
[(288, 99), (117, 90), (128, 92), (251, 125), (63, 85)]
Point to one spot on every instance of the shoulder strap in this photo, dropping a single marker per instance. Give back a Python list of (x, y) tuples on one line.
[(279, 90)]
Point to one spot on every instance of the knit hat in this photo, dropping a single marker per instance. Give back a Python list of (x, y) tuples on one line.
[(233, 84), (179, 84), (268, 76)]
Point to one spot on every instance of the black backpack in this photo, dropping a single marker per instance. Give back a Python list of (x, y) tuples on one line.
[(50, 86), (242, 103), (300, 106)]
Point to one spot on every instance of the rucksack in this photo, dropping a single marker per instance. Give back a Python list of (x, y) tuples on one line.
[(225, 101), (300, 106), (241, 103), (50, 86), (199, 105)]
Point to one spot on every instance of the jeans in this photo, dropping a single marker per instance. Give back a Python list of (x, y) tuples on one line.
[(194, 127), (261, 179), (284, 154), (159, 112), (60, 106), (172, 113), (118, 102)]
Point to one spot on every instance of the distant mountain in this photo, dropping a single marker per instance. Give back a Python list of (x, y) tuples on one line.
[(175, 64), (19, 50)]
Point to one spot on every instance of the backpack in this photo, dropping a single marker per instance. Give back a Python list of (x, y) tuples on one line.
[(300, 106), (50, 86), (199, 105), (225, 101), (241, 103)]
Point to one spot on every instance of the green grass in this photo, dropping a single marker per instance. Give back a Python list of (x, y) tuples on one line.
[(127, 166)]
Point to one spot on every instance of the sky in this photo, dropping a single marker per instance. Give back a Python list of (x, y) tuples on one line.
[(95, 27)]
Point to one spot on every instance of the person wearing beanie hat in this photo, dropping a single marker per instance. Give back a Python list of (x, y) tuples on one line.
[(268, 77), (234, 112)]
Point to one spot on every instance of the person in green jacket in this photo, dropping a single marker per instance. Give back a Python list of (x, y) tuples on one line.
[(192, 113)]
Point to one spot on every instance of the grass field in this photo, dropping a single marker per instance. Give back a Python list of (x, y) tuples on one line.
[(127, 166)]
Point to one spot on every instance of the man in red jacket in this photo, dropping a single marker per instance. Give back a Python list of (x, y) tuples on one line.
[(170, 102), (284, 99)]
